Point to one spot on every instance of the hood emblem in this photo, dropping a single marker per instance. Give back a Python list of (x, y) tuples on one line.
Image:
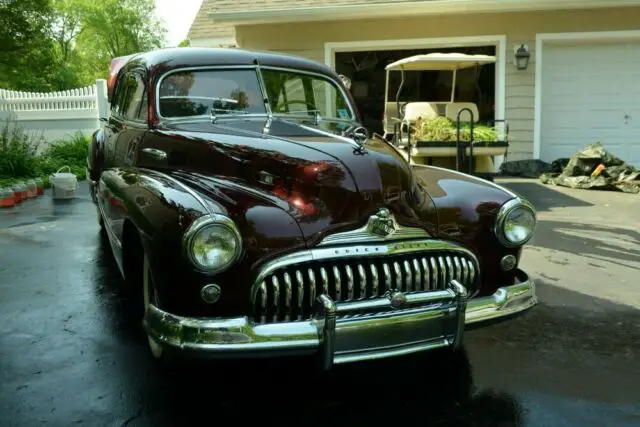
[(380, 227), (382, 223)]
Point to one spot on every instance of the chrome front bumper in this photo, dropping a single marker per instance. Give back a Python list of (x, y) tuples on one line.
[(340, 333)]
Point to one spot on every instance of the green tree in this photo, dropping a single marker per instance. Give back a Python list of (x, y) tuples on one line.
[(26, 56), (62, 44), (185, 43)]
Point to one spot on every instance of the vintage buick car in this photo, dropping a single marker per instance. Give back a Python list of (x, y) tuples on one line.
[(253, 215)]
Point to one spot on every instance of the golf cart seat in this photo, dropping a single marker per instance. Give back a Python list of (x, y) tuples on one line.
[(452, 108), (415, 110)]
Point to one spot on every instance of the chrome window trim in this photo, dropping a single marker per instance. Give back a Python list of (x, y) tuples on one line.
[(260, 83)]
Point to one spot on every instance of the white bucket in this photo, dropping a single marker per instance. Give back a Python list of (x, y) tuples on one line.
[(64, 184)]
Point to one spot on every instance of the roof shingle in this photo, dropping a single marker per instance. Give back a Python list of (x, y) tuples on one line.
[(204, 27)]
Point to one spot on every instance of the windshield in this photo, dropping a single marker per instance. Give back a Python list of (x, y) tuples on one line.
[(197, 93), (292, 92), (224, 92)]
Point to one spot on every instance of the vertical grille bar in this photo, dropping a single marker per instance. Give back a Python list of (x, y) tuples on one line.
[(263, 302), (325, 281), (408, 277), (362, 281), (456, 261), (337, 281), (427, 274), (451, 274), (287, 299), (349, 281), (434, 274), (374, 277), (275, 284), (398, 272), (417, 278), (387, 277), (443, 273)]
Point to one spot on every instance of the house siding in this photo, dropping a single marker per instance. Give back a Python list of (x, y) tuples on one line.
[(308, 39)]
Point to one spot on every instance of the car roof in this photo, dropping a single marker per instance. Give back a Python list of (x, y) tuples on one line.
[(163, 60)]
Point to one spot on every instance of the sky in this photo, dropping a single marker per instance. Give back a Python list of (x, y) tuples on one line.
[(177, 16)]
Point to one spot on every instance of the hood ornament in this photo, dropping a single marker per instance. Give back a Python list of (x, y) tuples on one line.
[(380, 227), (360, 136), (382, 223)]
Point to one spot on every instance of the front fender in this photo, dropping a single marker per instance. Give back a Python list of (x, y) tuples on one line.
[(162, 207), (467, 209)]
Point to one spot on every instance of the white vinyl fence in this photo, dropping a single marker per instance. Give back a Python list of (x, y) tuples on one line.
[(56, 115)]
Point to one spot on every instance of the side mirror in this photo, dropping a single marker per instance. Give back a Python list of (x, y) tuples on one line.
[(346, 81)]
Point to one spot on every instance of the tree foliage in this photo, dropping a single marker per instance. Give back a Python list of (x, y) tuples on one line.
[(62, 44)]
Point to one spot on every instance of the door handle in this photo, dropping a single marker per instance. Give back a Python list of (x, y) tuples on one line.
[(155, 153)]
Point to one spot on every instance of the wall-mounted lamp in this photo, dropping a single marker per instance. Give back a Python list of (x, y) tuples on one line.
[(521, 57)]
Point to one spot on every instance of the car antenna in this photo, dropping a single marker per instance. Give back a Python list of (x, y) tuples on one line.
[(265, 100)]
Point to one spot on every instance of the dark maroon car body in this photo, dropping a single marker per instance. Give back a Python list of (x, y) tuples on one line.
[(319, 185)]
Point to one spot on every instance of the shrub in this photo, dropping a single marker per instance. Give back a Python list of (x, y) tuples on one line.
[(20, 159), (18, 152)]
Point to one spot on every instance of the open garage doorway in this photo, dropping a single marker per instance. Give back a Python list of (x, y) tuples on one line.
[(366, 69)]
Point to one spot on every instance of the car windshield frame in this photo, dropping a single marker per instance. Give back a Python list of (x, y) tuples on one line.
[(267, 105)]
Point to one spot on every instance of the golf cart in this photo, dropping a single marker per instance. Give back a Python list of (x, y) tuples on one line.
[(445, 134)]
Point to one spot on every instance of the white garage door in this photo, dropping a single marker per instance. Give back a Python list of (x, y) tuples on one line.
[(590, 93)]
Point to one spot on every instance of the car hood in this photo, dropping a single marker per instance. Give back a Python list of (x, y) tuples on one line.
[(322, 180)]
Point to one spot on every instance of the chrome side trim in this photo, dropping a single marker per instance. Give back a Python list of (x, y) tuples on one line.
[(155, 153), (390, 248)]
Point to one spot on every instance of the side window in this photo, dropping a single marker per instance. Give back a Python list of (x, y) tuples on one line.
[(293, 96), (118, 95), (135, 97)]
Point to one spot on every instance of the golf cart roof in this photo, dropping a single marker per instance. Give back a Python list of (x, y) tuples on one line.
[(440, 61)]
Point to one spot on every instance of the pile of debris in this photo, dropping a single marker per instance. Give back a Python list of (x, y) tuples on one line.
[(591, 168)]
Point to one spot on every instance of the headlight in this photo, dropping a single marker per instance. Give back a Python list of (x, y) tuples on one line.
[(515, 223), (212, 243)]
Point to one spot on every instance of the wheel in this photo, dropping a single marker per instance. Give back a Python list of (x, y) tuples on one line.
[(148, 291)]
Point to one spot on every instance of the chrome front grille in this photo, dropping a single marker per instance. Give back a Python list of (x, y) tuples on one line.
[(288, 292)]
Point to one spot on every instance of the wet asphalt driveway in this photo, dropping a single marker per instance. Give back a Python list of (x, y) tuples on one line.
[(70, 354)]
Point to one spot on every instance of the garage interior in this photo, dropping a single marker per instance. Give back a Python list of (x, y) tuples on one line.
[(366, 69)]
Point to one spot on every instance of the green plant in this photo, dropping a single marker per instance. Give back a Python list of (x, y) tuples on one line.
[(444, 129), (18, 152)]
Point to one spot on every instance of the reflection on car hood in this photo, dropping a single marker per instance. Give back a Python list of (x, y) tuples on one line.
[(322, 180)]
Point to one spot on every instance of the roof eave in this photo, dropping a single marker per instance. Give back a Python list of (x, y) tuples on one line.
[(390, 10)]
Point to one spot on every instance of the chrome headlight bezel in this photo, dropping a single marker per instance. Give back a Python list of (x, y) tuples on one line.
[(201, 224), (503, 214)]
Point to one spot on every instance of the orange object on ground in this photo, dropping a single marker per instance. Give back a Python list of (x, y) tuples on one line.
[(7, 198), (597, 171), (19, 192)]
